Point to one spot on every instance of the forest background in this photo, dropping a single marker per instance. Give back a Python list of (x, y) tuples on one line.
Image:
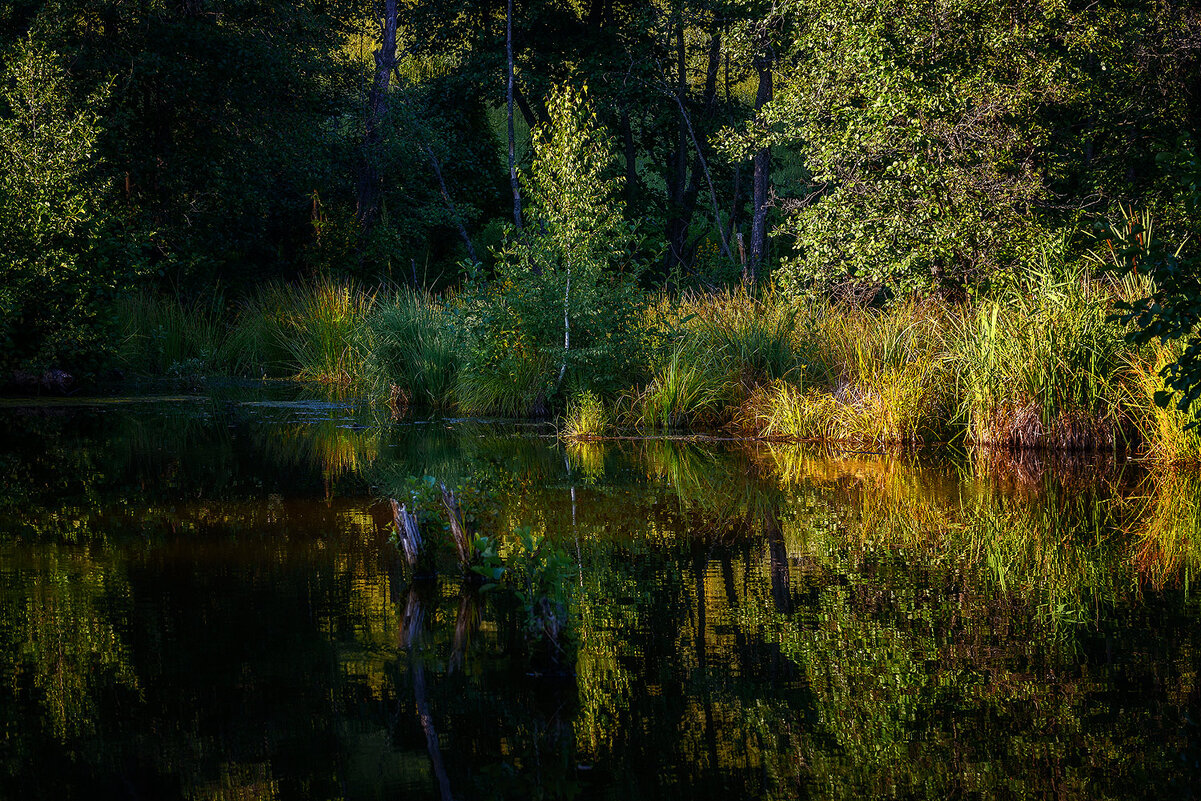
[(545, 205)]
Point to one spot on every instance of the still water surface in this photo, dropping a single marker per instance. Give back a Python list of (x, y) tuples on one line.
[(199, 599)]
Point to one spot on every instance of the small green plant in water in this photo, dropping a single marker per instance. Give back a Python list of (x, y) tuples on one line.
[(540, 575), (586, 417)]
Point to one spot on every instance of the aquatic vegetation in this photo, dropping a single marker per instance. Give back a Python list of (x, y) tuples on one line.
[(586, 418), (1042, 367), (322, 326), (883, 379), (414, 347), (754, 338)]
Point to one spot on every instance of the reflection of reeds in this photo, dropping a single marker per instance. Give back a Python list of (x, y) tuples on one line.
[(587, 459), (1059, 548), (1168, 541), (329, 445)]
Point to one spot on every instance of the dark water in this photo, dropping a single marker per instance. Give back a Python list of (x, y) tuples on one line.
[(199, 600)]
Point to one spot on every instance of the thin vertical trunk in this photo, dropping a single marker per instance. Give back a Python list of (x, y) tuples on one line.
[(450, 204), (532, 117), (410, 633), (677, 221), (762, 179), (369, 175), (509, 104), (631, 158), (566, 329)]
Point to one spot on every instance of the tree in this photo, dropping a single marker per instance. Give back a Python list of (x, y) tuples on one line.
[(563, 307), (949, 143), (575, 228), (58, 259)]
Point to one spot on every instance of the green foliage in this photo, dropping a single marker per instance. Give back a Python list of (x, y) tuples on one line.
[(1172, 311), (919, 125), (565, 303), (414, 346), (540, 574), (1041, 366), (60, 251)]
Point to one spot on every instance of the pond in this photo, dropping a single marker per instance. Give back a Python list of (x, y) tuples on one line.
[(200, 598)]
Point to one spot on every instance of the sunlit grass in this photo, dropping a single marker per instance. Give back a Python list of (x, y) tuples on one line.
[(586, 418), (1042, 367)]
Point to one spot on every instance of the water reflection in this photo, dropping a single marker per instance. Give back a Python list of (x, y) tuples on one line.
[(201, 601)]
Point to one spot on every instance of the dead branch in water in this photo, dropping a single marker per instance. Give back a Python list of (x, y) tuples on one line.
[(458, 531), (407, 533)]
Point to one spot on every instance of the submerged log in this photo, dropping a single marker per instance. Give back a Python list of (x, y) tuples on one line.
[(407, 533), (458, 531)]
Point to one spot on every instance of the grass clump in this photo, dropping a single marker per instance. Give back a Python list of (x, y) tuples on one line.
[(166, 336), (414, 348), (1042, 368), (586, 418), (756, 337), (312, 332), (688, 389), (876, 376), (322, 329)]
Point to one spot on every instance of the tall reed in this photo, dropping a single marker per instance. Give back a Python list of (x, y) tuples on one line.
[(414, 347), (689, 389), (314, 331), (161, 335), (1042, 367), (881, 377)]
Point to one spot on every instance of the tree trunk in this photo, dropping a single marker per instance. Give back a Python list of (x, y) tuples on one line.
[(677, 191), (450, 204), (369, 175), (631, 158), (683, 193), (509, 104), (762, 179)]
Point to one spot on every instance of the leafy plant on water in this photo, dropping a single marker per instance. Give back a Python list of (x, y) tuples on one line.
[(438, 508), (541, 576), (587, 418)]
